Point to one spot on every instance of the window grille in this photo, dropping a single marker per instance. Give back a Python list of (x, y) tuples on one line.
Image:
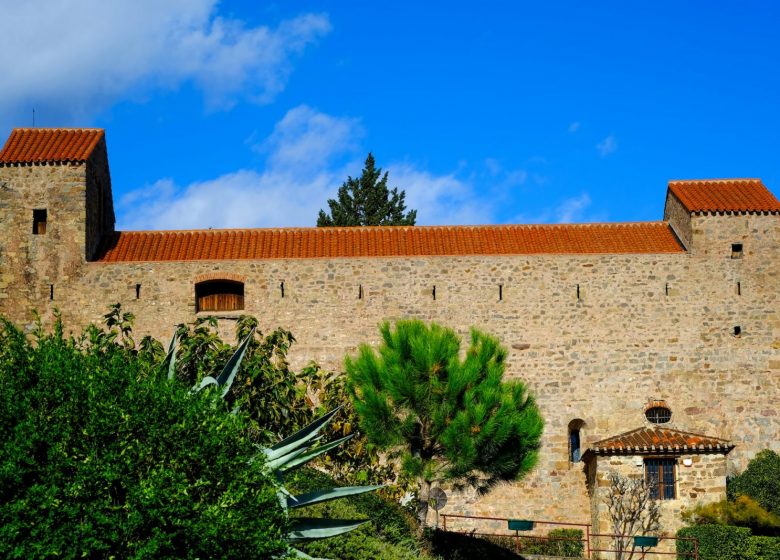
[(658, 414), (660, 474)]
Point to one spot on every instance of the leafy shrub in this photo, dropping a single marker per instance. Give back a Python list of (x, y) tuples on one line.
[(560, 542), (716, 542), (101, 458), (742, 512), (273, 395), (765, 548), (457, 546), (760, 481)]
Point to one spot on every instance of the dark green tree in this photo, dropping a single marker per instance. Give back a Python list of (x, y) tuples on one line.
[(367, 201), (100, 457), (760, 481), (448, 419)]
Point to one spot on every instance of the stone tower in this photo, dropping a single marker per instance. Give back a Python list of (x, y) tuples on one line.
[(55, 204)]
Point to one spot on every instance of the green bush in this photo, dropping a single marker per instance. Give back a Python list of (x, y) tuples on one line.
[(742, 512), (457, 546), (765, 548), (565, 542), (558, 542), (760, 481), (716, 542), (100, 457)]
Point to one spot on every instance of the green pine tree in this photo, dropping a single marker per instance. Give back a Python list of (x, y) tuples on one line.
[(448, 419), (367, 201)]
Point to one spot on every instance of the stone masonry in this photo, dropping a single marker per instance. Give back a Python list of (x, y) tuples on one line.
[(595, 336)]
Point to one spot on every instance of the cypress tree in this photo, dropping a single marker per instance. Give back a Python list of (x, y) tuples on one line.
[(367, 201)]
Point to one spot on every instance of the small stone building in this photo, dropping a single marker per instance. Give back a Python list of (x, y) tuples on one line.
[(634, 337)]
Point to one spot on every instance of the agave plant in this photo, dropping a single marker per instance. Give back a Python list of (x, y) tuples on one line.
[(287, 455)]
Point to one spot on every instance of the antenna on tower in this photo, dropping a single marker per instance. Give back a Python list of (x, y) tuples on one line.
[(33, 117)]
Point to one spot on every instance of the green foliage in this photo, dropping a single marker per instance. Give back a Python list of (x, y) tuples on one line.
[(559, 542), (760, 481), (358, 461), (101, 457), (388, 534), (457, 546), (742, 512), (446, 418), (367, 201), (716, 542), (765, 548), (265, 388)]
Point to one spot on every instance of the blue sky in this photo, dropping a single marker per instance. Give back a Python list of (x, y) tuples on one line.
[(250, 114)]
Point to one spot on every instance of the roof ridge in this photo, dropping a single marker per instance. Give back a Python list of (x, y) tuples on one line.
[(56, 129), (398, 228), (720, 180), (50, 145), (652, 428)]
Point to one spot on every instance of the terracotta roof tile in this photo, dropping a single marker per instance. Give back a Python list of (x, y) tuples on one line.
[(725, 195), (655, 439), (50, 145), (292, 243)]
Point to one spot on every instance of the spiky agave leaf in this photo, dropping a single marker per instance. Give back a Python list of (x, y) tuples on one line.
[(230, 370), (205, 382), (309, 454), (170, 358), (299, 438), (306, 528), (320, 496)]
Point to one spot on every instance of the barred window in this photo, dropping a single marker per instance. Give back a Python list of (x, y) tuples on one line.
[(658, 414), (660, 474)]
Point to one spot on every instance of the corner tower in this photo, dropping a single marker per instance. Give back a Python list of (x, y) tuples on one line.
[(724, 217), (55, 205)]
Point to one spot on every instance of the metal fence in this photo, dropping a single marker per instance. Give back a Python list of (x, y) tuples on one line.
[(522, 535)]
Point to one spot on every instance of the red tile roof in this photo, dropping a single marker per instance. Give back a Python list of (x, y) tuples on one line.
[(725, 195), (387, 241), (50, 145), (656, 439)]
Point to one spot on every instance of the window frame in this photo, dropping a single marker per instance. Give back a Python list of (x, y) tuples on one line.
[(227, 300), (663, 484)]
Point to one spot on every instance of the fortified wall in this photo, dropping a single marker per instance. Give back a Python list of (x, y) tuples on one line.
[(604, 322)]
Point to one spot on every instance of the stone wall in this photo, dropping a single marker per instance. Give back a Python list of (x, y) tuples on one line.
[(702, 482), (33, 268), (643, 327)]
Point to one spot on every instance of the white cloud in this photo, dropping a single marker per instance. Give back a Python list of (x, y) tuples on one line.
[(572, 209), (439, 199), (304, 168), (569, 210), (72, 58), (306, 137), (607, 146), (309, 154)]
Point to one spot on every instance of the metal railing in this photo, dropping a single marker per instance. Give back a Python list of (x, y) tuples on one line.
[(519, 539), (591, 542), (641, 553)]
